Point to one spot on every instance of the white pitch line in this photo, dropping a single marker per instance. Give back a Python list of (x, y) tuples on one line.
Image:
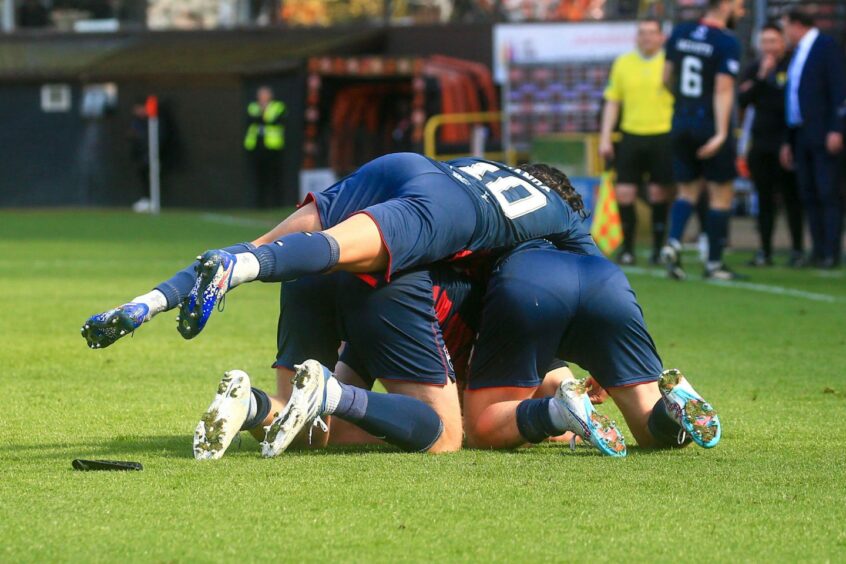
[(235, 220), (751, 286)]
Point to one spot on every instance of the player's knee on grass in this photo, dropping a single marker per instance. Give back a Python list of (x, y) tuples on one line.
[(490, 417), (444, 401)]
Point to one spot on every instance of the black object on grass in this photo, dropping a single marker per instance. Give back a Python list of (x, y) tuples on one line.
[(86, 465)]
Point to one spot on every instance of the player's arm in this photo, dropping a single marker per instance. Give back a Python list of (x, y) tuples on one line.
[(723, 102), (668, 75)]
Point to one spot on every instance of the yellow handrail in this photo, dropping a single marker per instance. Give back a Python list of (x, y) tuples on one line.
[(430, 148)]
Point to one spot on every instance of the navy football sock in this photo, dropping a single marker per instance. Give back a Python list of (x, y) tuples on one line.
[(296, 255), (534, 420), (679, 214), (717, 233), (402, 421), (177, 287), (259, 408), (664, 428)]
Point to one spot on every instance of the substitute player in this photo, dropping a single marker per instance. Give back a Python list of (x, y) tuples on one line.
[(701, 68), (636, 85), (542, 303), (396, 212)]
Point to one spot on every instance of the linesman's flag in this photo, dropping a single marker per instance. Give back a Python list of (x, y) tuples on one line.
[(607, 230)]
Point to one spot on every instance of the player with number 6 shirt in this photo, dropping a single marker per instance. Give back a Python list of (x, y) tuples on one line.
[(702, 62), (394, 213)]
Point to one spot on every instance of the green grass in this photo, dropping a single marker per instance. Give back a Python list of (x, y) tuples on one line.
[(773, 365)]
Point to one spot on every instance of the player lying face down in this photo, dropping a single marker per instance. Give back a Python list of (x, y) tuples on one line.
[(392, 333), (395, 213), (542, 303)]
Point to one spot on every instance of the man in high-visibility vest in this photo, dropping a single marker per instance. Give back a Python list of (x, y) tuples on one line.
[(264, 141)]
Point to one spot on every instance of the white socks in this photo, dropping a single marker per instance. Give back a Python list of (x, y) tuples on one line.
[(246, 269), (333, 396), (154, 300)]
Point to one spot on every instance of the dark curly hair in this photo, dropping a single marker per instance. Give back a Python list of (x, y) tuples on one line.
[(559, 183)]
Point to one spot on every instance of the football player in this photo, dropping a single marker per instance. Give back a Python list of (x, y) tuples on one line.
[(542, 303), (395, 213), (702, 63)]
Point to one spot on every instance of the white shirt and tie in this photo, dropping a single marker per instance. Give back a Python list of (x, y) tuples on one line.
[(794, 76)]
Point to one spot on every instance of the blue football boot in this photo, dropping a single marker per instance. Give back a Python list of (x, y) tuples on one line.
[(583, 420), (105, 328), (688, 409), (214, 274)]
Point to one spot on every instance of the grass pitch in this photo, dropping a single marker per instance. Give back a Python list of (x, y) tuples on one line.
[(769, 354)]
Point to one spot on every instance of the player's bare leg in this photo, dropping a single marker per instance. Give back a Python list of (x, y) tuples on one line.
[(667, 413), (444, 400), (490, 417)]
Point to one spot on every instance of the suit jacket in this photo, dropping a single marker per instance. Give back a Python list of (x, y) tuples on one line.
[(822, 90)]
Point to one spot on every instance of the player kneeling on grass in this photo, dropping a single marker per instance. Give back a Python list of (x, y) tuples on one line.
[(542, 303), (393, 335), (395, 213)]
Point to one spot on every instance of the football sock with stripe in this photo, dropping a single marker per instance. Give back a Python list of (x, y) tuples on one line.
[(177, 288), (402, 421), (258, 410), (294, 256), (628, 218), (539, 419), (717, 234), (664, 429)]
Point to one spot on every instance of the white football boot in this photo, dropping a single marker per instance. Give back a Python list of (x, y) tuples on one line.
[(224, 418), (688, 409), (307, 404), (583, 420)]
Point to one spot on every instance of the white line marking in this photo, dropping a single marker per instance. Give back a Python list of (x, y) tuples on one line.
[(235, 220), (751, 286)]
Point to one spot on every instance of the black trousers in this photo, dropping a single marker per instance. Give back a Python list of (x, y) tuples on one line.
[(817, 172), (771, 182), (268, 172)]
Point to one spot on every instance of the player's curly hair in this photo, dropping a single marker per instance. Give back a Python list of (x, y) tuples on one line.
[(559, 183)]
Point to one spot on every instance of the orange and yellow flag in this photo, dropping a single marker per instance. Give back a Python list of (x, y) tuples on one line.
[(606, 229)]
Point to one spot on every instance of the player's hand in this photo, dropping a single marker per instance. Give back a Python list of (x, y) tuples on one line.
[(834, 142), (596, 393), (785, 157), (606, 149), (768, 63), (711, 147)]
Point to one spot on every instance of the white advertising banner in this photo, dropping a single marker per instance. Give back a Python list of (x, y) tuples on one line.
[(557, 43)]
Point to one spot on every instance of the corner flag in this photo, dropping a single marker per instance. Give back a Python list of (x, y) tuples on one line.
[(606, 229)]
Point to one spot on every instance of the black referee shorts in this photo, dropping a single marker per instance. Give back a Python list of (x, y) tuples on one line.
[(644, 157)]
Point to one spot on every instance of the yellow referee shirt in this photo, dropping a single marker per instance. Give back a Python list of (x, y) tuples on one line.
[(638, 84)]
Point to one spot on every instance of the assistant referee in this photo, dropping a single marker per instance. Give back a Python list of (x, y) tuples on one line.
[(636, 86)]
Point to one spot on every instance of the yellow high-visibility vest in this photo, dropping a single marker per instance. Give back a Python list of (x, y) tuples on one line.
[(274, 134)]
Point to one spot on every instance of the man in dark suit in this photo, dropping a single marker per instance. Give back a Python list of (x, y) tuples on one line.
[(816, 89)]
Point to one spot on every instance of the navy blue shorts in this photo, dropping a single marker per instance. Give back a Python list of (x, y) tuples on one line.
[(687, 167), (423, 215), (393, 331), (543, 304)]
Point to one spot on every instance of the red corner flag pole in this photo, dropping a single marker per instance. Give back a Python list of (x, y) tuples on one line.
[(152, 107)]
